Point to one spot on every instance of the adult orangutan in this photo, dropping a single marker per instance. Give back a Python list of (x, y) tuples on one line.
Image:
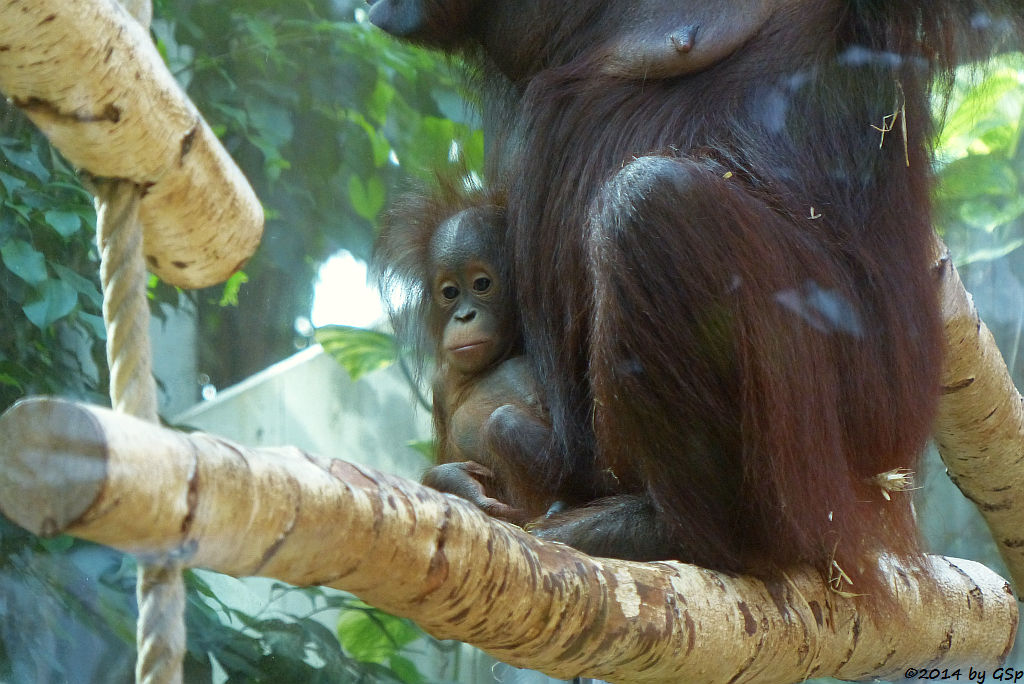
[(720, 243)]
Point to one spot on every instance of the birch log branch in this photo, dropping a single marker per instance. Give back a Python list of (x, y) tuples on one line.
[(440, 561), (980, 426), (89, 76)]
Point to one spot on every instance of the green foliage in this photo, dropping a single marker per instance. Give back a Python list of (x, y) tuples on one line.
[(51, 338), (271, 641), (232, 288), (426, 448), (328, 118), (373, 637), (358, 351), (66, 610), (67, 613), (979, 200)]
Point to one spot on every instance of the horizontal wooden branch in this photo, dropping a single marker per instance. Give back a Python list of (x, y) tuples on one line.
[(438, 560), (980, 426), (90, 77)]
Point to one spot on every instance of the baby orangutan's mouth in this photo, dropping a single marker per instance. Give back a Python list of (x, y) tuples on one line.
[(469, 346)]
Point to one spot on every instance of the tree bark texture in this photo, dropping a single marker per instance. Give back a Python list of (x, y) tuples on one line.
[(89, 76), (415, 552), (980, 426)]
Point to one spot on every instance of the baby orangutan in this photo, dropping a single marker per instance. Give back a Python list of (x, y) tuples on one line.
[(492, 428)]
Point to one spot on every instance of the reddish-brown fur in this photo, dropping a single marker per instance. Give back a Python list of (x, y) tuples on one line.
[(724, 274), (490, 421)]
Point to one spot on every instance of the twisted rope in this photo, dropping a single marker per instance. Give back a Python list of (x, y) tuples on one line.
[(125, 308), (160, 633)]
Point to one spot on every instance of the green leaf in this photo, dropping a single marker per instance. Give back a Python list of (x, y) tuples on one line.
[(426, 447), (58, 544), (272, 122), (27, 160), (284, 637), (234, 116), (54, 299), (94, 324), (406, 670), (976, 175), (24, 261), (82, 285), (374, 637), (979, 108), (262, 32), (11, 183), (366, 198), (231, 288), (358, 351), (272, 128), (988, 213), (379, 100), (989, 254), (66, 223)]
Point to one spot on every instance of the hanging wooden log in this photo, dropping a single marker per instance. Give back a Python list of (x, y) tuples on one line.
[(89, 76), (460, 574), (980, 427)]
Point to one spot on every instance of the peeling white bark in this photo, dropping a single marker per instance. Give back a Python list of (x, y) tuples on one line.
[(89, 76), (462, 575)]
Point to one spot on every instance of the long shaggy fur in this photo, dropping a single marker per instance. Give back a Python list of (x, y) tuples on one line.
[(724, 276)]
